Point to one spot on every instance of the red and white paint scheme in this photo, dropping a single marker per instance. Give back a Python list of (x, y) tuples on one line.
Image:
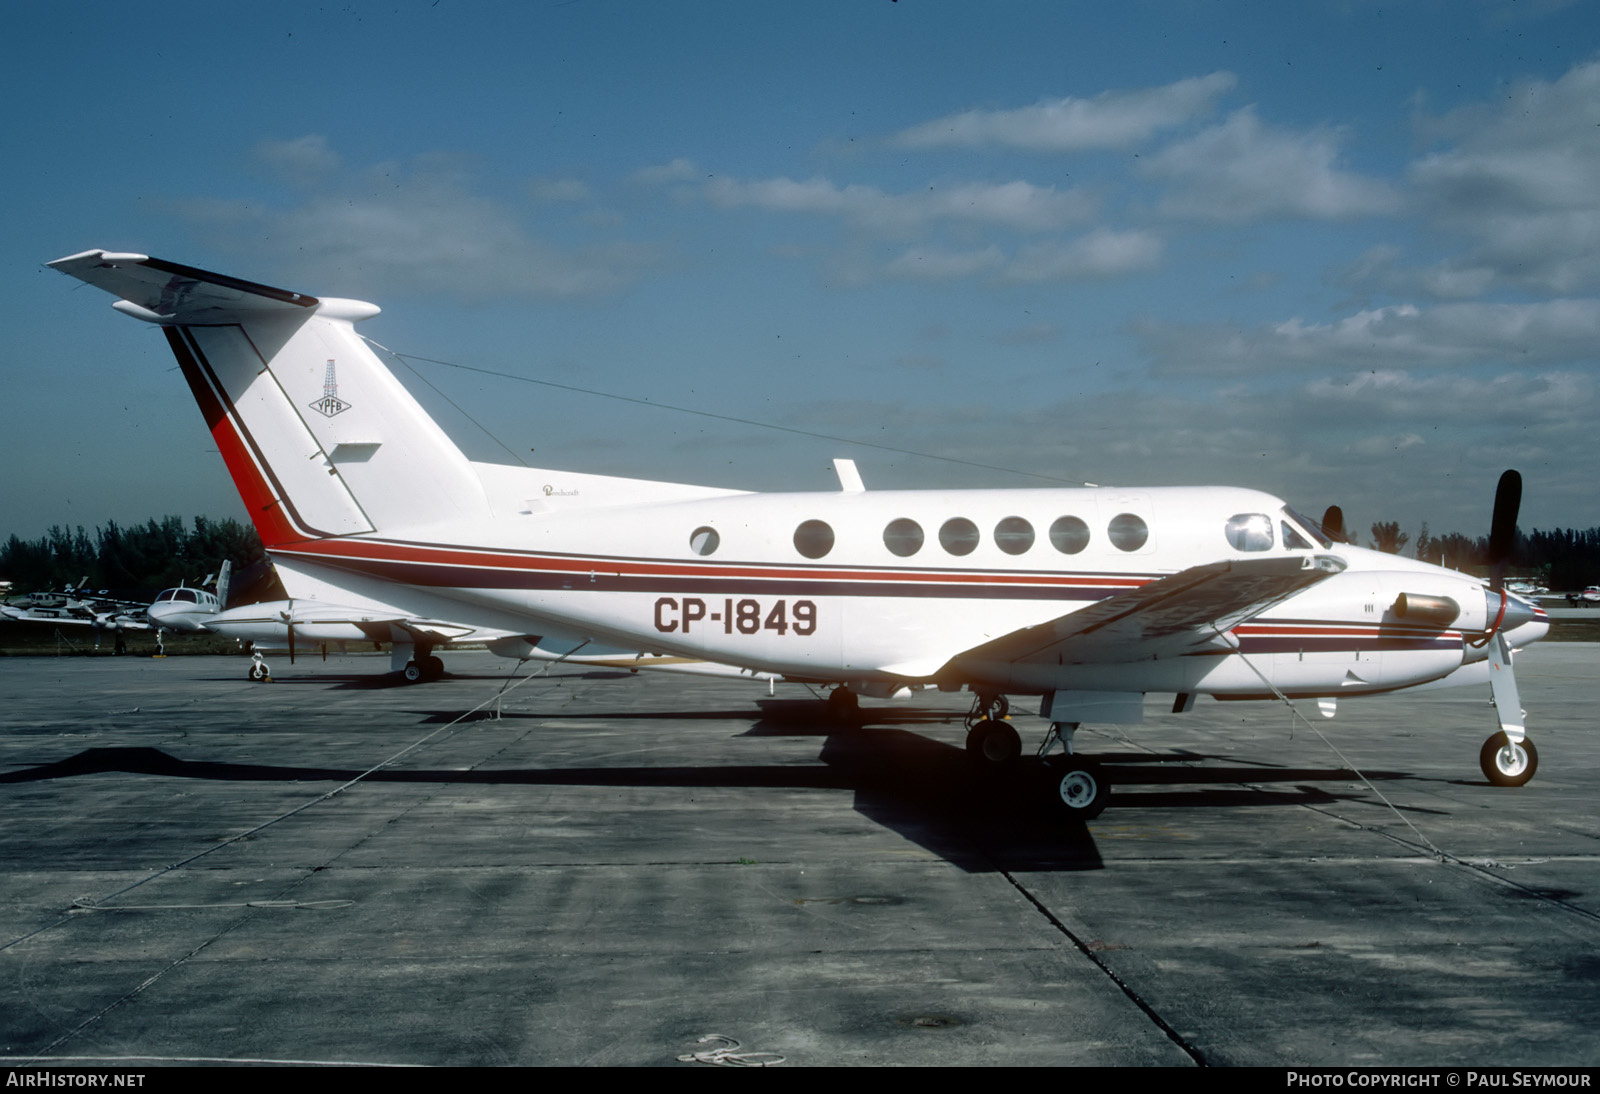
[(1091, 598)]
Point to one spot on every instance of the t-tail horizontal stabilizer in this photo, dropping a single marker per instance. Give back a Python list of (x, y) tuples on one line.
[(321, 439)]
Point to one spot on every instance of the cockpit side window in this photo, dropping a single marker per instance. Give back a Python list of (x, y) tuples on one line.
[(1293, 540), (1311, 527), (1250, 532)]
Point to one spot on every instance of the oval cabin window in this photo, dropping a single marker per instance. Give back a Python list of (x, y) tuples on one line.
[(1013, 535), (959, 536), (814, 538), (704, 541), (903, 537), (1069, 535), (1127, 532)]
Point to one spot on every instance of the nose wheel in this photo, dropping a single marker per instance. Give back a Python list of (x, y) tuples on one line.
[(1508, 763)]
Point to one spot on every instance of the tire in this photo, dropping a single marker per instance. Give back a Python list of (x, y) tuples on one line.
[(412, 673), (1504, 766), (843, 705), (1076, 789), (994, 743)]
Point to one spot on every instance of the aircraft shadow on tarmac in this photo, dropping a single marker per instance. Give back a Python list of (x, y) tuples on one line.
[(383, 681), (926, 790)]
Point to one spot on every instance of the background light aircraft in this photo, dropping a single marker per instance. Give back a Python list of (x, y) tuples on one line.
[(183, 610), (76, 606), (190, 611), (1088, 598)]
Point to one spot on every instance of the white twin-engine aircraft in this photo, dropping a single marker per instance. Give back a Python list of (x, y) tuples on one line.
[(381, 529)]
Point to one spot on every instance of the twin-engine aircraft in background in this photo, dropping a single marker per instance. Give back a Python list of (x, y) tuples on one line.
[(380, 528), (183, 610), (187, 610)]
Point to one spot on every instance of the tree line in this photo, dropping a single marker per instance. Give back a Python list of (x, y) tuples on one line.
[(136, 560), (158, 554), (1563, 558)]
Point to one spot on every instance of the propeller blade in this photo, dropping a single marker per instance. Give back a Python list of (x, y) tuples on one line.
[(1333, 524), (1503, 528)]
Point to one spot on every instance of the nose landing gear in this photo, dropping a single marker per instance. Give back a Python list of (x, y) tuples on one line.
[(1508, 763)]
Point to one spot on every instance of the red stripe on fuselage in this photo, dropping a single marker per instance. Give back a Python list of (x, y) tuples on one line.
[(265, 508), (356, 551)]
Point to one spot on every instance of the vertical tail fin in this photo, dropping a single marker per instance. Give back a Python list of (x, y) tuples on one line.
[(320, 438), (224, 576)]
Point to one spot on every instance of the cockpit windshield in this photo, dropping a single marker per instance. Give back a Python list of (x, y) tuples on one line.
[(1306, 525)]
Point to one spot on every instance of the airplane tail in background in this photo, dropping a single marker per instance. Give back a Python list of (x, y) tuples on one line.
[(320, 438)]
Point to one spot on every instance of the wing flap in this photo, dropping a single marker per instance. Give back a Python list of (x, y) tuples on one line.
[(1181, 613)]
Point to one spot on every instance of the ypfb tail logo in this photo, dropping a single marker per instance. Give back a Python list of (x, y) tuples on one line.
[(330, 403)]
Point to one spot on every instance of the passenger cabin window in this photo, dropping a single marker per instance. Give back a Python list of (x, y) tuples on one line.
[(704, 541), (1250, 532), (1128, 532), (903, 537), (959, 536), (814, 538), (1069, 535), (1013, 535)]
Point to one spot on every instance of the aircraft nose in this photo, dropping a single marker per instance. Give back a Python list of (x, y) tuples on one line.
[(160, 614)]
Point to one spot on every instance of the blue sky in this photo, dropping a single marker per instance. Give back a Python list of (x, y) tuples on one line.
[(1342, 251)]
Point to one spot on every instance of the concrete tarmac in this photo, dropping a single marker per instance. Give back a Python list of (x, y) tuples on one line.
[(617, 866)]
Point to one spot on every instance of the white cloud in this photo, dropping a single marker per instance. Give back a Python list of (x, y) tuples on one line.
[(421, 229), (558, 190), (301, 161), (1101, 253), (1520, 183), (1017, 205), (1391, 395), (679, 170), (1112, 119), (1243, 170), (934, 264), (1398, 337), (1452, 279)]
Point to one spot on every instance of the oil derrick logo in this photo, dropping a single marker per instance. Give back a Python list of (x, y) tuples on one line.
[(330, 403)]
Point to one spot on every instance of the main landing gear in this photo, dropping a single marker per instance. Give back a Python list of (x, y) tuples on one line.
[(1072, 787), (1075, 788), (422, 669), (991, 738)]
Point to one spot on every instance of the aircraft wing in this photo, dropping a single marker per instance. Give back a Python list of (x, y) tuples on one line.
[(1182, 612)]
